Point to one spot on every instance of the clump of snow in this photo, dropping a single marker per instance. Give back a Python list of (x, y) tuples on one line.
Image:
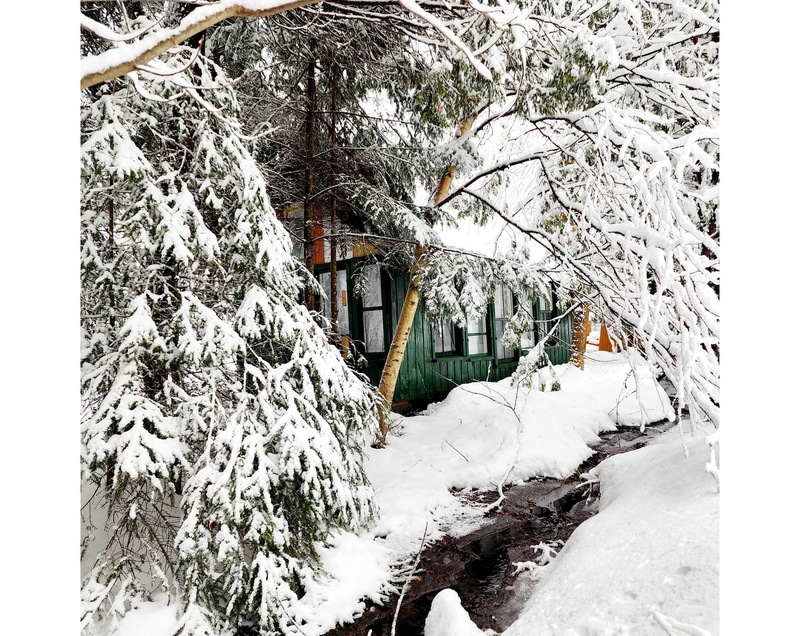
[(448, 618), (155, 618), (356, 569)]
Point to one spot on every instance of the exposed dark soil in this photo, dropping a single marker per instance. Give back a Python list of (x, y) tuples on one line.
[(480, 566)]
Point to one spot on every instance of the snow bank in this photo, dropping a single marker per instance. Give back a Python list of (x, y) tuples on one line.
[(649, 557), (484, 431), (355, 569), (157, 618), (479, 434)]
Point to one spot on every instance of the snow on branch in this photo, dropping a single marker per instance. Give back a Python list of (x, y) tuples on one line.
[(126, 57), (412, 7), (129, 53), (614, 169)]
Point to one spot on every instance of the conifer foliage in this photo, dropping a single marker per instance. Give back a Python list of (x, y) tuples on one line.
[(221, 430)]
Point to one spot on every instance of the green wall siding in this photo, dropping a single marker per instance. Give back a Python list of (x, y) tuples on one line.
[(560, 354), (423, 377)]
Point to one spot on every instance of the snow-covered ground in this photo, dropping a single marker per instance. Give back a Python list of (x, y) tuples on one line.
[(649, 556), (647, 563)]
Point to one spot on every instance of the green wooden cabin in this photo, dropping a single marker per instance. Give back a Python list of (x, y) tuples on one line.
[(439, 354)]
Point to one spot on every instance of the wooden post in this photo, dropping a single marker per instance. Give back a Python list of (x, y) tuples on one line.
[(605, 341)]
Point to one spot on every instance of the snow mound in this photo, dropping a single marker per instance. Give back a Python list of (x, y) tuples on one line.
[(448, 618), (649, 558)]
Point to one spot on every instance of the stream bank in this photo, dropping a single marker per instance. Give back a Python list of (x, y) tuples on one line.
[(480, 566)]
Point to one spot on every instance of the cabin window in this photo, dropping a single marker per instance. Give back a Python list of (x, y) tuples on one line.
[(545, 321), (528, 338), (343, 299), (541, 313), (445, 337), (372, 311), (503, 310), (477, 337)]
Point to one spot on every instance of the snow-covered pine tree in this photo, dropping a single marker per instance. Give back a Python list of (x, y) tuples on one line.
[(367, 155), (221, 432), (373, 147)]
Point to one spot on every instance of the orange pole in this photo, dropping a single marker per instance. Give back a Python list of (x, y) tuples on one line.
[(605, 341)]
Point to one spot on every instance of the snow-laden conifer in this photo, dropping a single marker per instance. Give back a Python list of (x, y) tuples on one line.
[(221, 432)]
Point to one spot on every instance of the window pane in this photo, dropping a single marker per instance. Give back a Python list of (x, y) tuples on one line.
[(325, 281), (449, 336), (444, 337), (477, 344), (342, 293), (372, 296), (499, 310), (344, 300), (476, 325), (527, 341), (502, 351), (503, 302), (373, 331), (544, 325)]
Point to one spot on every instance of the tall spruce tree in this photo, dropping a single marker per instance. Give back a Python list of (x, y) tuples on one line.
[(362, 141), (357, 112), (222, 432)]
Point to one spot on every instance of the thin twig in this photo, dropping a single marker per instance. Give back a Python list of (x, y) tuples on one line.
[(456, 450), (408, 580)]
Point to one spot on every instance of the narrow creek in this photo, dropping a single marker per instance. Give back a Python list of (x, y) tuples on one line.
[(480, 566)]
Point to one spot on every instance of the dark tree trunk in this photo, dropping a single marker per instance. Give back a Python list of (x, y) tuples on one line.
[(308, 185), (333, 220)]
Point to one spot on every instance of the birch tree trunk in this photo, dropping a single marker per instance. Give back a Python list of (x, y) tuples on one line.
[(397, 350), (580, 331)]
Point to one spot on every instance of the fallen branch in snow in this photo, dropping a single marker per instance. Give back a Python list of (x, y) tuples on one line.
[(549, 551), (456, 450), (591, 482), (502, 401), (500, 494), (291, 618), (513, 407), (674, 628), (712, 466), (408, 580)]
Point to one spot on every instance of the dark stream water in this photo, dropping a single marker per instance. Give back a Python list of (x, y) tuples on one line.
[(480, 566)]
